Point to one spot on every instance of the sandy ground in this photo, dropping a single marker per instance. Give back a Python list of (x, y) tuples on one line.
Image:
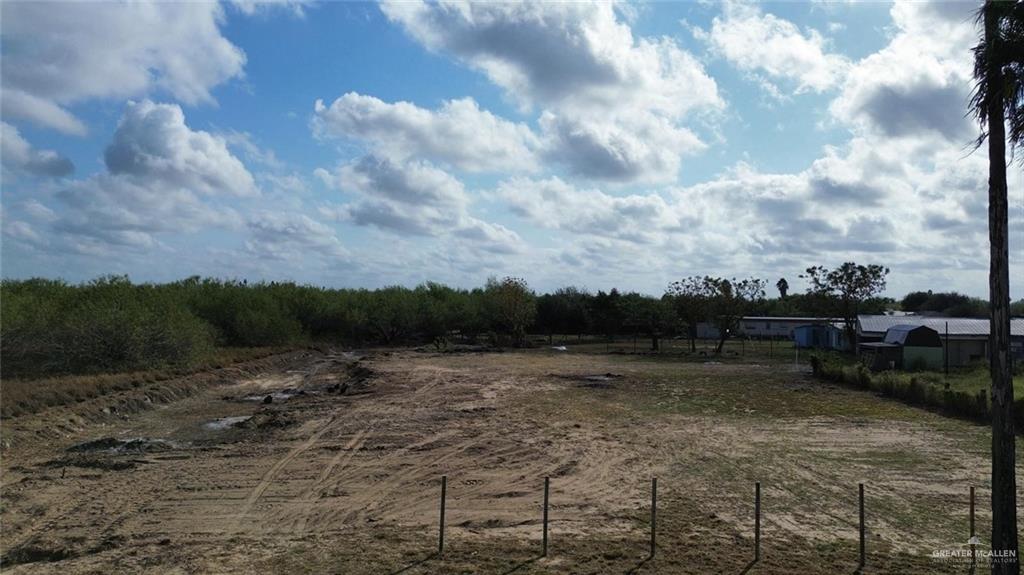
[(340, 472)]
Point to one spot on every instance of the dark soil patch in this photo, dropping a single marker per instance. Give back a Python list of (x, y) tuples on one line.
[(34, 554), (595, 381)]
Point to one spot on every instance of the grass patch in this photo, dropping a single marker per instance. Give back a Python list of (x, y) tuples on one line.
[(964, 393), (735, 351)]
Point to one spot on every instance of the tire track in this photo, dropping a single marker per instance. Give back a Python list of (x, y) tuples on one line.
[(342, 458), (271, 474)]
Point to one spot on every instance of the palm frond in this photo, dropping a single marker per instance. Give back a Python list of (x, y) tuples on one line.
[(1004, 52)]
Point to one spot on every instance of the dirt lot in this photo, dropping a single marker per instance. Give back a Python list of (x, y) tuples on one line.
[(340, 471)]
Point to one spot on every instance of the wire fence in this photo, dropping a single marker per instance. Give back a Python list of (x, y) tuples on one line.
[(653, 528)]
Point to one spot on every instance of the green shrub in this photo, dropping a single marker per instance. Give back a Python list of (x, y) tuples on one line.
[(916, 391), (927, 389), (816, 365), (919, 364), (106, 325), (981, 403), (264, 327), (850, 376), (863, 376)]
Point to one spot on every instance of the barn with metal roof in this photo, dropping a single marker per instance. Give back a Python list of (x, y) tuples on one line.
[(965, 339)]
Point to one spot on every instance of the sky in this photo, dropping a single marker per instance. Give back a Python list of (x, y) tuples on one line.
[(599, 145)]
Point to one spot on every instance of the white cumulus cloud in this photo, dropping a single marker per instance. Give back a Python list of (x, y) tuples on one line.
[(910, 87), (764, 43), (56, 55), (162, 178), (458, 133), (153, 142), (20, 157), (614, 98), (413, 198)]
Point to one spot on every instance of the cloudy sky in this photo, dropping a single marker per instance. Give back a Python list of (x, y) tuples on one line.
[(599, 145)]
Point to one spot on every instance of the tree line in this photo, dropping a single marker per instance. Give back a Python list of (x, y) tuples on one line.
[(111, 324)]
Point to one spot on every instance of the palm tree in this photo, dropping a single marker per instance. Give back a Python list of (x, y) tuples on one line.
[(998, 100), (783, 286)]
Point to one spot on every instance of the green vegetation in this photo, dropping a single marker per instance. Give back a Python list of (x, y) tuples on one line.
[(108, 325), (965, 393), (951, 304), (845, 289), (50, 327)]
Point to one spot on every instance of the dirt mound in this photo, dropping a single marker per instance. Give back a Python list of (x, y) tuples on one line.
[(268, 419), (53, 551), (357, 379), (103, 463), (110, 453), (133, 445), (118, 406), (35, 554)]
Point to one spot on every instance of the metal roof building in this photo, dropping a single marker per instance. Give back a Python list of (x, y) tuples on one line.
[(773, 326), (967, 339), (919, 335), (877, 325)]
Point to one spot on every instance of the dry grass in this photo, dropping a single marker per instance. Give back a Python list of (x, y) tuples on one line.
[(25, 396)]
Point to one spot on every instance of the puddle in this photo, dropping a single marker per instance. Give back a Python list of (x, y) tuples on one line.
[(226, 422), (277, 396), (602, 377)]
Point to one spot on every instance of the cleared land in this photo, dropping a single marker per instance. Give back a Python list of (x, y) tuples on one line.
[(340, 472)]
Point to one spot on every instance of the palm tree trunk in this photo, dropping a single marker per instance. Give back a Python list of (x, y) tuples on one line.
[(1004, 491)]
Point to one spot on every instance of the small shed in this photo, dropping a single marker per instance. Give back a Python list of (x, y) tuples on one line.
[(879, 356), (819, 336), (921, 345), (904, 347)]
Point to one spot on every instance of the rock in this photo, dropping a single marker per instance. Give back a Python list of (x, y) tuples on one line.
[(268, 399)]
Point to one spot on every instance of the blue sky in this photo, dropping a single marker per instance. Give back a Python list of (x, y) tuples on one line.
[(357, 144)]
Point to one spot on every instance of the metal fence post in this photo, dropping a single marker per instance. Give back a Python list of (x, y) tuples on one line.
[(440, 535), (654, 511), (757, 521), (973, 551), (862, 553), (544, 552)]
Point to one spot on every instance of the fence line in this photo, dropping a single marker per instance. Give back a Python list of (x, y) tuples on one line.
[(862, 527)]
